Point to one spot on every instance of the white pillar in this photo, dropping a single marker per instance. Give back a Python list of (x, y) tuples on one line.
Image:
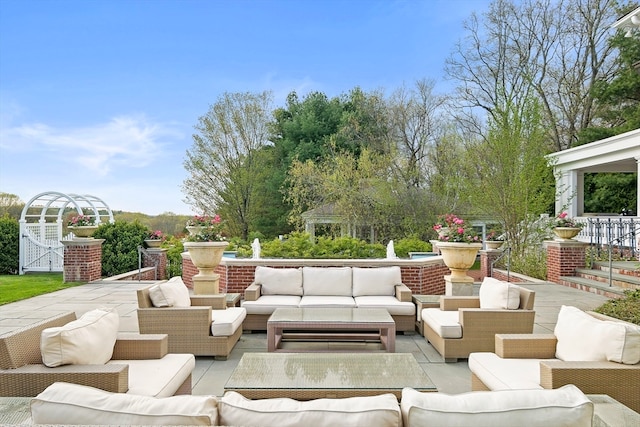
[(637, 186), (567, 184)]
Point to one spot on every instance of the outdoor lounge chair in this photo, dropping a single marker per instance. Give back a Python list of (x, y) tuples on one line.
[(460, 326)]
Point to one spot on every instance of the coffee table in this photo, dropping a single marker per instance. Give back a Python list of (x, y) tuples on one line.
[(305, 376), (334, 324)]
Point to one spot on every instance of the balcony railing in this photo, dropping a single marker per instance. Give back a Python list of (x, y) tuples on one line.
[(620, 234)]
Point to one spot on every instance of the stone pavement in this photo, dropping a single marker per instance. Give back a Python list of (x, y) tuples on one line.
[(210, 375)]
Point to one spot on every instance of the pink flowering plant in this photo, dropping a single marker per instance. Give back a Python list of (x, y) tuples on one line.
[(211, 228), (563, 220), (451, 228), (81, 221), (155, 235)]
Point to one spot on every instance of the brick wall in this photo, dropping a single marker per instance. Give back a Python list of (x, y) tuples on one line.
[(82, 260), (152, 257), (563, 257)]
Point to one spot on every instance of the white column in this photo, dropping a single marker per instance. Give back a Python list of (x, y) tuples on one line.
[(567, 192), (638, 186)]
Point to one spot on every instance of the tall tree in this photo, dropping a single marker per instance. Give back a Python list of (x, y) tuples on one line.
[(222, 161)]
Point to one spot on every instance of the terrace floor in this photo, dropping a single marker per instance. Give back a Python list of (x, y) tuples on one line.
[(211, 375)]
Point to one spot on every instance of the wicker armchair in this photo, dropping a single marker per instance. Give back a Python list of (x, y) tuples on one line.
[(22, 372), (518, 352), (188, 328), (479, 326)]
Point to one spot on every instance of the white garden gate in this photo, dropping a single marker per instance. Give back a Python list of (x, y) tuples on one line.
[(41, 227)]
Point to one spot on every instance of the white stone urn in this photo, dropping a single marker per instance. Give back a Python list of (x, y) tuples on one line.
[(566, 233), (83, 230), (493, 244), (459, 257), (206, 256), (195, 229), (153, 243)]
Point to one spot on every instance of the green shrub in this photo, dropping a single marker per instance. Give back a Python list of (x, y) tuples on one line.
[(410, 244), (9, 245), (120, 248), (299, 245), (174, 258), (626, 308)]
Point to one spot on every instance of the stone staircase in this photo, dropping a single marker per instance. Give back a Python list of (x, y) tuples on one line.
[(624, 275)]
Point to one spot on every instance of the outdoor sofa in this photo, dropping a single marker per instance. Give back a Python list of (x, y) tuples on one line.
[(597, 353), (91, 352), (351, 287), (72, 404), (462, 325), (202, 325)]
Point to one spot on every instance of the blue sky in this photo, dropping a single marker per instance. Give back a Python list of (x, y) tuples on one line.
[(100, 97)]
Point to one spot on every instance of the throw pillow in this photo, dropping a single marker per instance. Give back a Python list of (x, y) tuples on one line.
[(73, 404), (328, 281), (375, 281), (172, 293), (498, 295), (380, 411), (88, 340), (279, 281)]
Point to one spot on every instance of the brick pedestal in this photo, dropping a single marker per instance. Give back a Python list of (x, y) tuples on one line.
[(82, 260), (563, 257), (156, 256), (487, 257)]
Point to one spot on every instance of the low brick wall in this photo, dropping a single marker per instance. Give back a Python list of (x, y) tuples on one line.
[(423, 276)]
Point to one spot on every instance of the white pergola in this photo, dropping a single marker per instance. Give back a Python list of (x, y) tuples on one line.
[(620, 153)]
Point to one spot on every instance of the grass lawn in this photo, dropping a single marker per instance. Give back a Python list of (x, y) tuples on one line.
[(15, 288)]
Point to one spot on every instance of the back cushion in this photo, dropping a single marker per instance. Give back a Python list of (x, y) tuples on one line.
[(327, 281), (172, 293), (86, 341), (279, 281), (379, 411), (582, 337), (565, 406), (375, 281), (73, 404), (498, 295)]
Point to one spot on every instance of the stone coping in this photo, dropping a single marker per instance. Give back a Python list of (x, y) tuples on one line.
[(317, 262)]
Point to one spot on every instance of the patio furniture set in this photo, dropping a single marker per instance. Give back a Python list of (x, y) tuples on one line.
[(131, 378)]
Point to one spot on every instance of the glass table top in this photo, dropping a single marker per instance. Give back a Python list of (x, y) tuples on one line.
[(363, 371), (329, 314)]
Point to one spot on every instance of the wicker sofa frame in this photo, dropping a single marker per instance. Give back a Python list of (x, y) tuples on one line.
[(188, 328), (22, 372), (479, 326), (619, 381)]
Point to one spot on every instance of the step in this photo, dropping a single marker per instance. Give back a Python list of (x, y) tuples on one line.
[(628, 268), (593, 286), (619, 280)]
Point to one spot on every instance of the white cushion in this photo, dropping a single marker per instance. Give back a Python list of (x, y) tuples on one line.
[(565, 406), (496, 294), (226, 322), (327, 281), (173, 293), (393, 305), (444, 323), (267, 304), (64, 403), (279, 281), (582, 337), (327, 301), (375, 281), (379, 411), (88, 340), (505, 374), (158, 377)]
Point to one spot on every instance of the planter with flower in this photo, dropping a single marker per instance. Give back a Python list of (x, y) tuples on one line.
[(494, 240), (82, 225), (459, 244), (154, 239), (566, 228), (206, 247)]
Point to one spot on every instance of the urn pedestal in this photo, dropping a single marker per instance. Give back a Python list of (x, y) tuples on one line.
[(205, 256), (459, 257)]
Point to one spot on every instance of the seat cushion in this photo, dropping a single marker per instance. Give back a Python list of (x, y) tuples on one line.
[(158, 377), (327, 301), (279, 281), (376, 281), (500, 295), (565, 406), (226, 322), (505, 374), (88, 340), (394, 306), (444, 323), (73, 404), (327, 281), (582, 337), (379, 411), (173, 293), (267, 304)]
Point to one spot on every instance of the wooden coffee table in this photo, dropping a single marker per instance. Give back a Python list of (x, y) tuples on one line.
[(305, 376), (332, 324)]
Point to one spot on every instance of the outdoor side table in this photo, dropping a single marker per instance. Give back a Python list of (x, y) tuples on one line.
[(424, 301)]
